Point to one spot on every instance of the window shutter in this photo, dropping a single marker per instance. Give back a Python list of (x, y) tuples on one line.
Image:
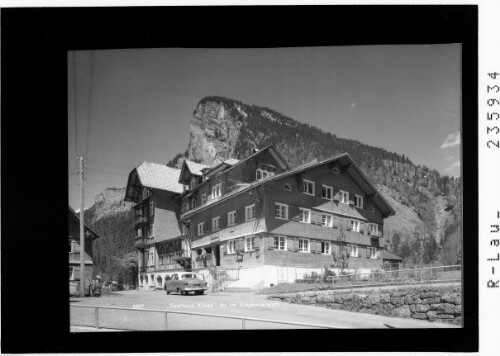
[(315, 247), (270, 242), (239, 245), (316, 218)]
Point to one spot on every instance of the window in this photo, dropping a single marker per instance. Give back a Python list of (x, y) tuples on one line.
[(231, 218), (355, 225), (151, 260), (280, 243), (70, 246), (358, 201), (326, 248), (186, 206), (193, 183), (193, 203), (262, 174), (308, 187), (230, 247), (184, 229), (304, 245), (372, 229), (217, 190), (215, 223), (249, 243), (201, 228), (139, 232), (287, 187), (344, 197), (353, 250), (372, 252), (150, 230), (250, 212), (326, 220), (203, 198), (71, 273), (151, 207), (281, 211), (305, 215), (327, 192)]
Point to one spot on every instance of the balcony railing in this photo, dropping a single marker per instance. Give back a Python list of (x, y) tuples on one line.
[(143, 240), (141, 219), (375, 234)]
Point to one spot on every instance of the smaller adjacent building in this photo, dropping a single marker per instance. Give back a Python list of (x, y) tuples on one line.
[(75, 251)]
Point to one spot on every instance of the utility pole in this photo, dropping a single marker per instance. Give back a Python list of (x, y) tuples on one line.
[(82, 230)]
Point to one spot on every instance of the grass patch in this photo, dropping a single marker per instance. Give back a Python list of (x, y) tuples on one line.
[(295, 287)]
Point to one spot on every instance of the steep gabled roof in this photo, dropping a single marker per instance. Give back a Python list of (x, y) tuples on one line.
[(348, 165), (195, 168), (155, 176), (190, 168), (75, 219)]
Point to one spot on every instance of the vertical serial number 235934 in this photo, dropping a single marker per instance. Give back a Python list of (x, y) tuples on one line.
[(493, 102)]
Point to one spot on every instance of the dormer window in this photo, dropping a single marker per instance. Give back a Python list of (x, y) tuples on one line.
[(308, 187), (216, 190), (358, 201), (262, 174), (193, 203), (344, 197), (193, 183)]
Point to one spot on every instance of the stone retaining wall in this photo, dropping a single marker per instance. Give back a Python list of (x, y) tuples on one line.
[(433, 303)]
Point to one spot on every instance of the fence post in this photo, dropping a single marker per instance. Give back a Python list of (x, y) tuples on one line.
[(166, 320), (96, 317), (243, 324)]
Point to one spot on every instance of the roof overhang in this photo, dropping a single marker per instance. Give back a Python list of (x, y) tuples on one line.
[(133, 187)]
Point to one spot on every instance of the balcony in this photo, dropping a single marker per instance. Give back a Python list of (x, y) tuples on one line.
[(139, 241), (144, 269), (375, 234), (141, 220)]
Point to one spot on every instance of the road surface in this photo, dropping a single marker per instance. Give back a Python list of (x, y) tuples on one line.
[(243, 304)]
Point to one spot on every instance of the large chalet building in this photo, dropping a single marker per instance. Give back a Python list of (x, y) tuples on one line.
[(256, 220)]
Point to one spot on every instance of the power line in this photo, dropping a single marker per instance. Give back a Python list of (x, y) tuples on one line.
[(107, 163), (107, 172), (91, 80)]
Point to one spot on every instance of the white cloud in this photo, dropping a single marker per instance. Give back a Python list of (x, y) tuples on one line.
[(452, 140), (455, 165)]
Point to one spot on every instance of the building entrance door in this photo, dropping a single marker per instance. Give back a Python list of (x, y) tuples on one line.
[(216, 250)]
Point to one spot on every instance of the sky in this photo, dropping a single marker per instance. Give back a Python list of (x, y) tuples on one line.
[(404, 98)]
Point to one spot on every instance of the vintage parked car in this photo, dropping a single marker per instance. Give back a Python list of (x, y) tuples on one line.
[(184, 283)]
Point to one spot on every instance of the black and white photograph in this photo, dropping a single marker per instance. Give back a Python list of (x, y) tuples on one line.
[(307, 187), (230, 179)]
